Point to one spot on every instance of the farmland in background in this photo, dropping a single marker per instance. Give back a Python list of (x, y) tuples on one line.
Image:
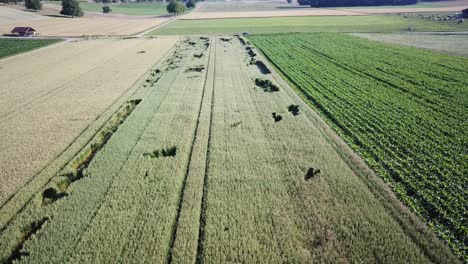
[(9, 47), (213, 159), (402, 109), (452, 44), (78, 26), (370, 23)]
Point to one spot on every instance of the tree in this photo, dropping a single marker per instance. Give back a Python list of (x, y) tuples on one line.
[(71, 8), (191, 4), (175, 7), (290, 1), (33, 4), (106, 9)]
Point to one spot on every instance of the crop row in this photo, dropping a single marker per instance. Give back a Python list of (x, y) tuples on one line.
[(402, 109)]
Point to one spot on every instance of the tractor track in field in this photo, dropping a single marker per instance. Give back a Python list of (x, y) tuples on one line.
[(170, 255), (202, 221)]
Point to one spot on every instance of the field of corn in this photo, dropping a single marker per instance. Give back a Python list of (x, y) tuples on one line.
[(403, 110), (213, 159)]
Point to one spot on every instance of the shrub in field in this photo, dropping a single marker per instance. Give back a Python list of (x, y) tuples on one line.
[(71, 8), (106, 9)]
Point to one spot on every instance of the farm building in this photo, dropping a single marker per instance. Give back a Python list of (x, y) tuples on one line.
[(24, 31)]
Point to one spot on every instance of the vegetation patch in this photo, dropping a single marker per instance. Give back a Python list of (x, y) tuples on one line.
[(9, 47), (162, 153), (293, 109), (403, 111), (311, 172), (276, 117), (266, 85), (236, 124)]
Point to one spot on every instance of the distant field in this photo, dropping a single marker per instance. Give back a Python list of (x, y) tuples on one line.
[(418, 5), (41, 112), (10, 47), (402, 109), (241, 6), (371, 23), (453, 44), (126, 9)]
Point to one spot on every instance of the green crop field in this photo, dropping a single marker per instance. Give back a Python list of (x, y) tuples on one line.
[(371, 23), (9, 47), (404, 110), (216, 159)]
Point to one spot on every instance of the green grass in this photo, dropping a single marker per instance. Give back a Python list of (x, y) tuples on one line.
[(402, 109), (9, 47), (127, 9), (373, 23)]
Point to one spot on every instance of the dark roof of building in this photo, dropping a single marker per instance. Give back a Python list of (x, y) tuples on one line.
[(22, 29)]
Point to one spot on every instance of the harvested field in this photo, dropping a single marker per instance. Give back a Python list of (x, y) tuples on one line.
[(452, 44), (50, 95), (197, 170), (83, 26)]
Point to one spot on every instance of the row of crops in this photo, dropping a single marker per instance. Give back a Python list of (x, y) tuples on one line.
[(404, 110)]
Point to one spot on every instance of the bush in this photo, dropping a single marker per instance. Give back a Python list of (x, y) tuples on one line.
[(71, 8), (106, 9), (33, 4)]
